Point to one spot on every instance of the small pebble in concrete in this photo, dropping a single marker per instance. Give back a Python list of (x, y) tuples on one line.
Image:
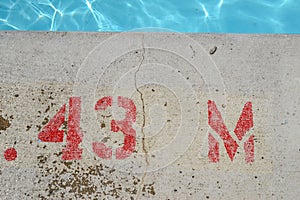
[(213, 50)]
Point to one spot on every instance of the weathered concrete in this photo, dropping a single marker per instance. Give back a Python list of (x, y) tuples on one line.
[(170, 78)]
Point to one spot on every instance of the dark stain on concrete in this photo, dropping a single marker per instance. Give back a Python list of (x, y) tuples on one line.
[(102, 125), (4, 123), (28, 127), (148, 188), (47, 109), (45, 121), (39, 127), (65, 179)]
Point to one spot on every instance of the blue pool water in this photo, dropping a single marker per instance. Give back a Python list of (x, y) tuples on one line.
[(219, 16)]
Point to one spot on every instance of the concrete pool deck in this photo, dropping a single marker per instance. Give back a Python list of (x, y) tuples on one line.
[(169, 95)]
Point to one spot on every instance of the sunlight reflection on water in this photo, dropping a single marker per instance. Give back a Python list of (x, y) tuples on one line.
[(236, 16)]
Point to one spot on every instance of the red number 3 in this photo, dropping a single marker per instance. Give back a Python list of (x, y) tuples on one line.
[(125, 126)]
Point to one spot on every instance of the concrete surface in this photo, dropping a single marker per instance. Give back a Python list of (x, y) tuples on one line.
[(170, 77)]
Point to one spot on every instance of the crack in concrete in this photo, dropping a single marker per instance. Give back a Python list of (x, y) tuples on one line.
[(144, 120)]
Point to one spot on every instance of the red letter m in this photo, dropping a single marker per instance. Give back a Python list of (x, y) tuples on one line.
[(243, 125)]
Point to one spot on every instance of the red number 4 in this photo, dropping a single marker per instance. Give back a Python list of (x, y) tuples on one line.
[(51, 132)]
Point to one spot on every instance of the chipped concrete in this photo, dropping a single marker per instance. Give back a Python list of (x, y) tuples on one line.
[(4, 123), (170, 77)]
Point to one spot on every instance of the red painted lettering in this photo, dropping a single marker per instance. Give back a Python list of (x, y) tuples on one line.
[(243, 125), (74, 134), (51, 132), (125, 126)]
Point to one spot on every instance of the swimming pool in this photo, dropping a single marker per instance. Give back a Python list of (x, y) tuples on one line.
[(218, 16)]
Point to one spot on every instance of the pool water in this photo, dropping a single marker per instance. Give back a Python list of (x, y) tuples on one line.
[(218, 16)]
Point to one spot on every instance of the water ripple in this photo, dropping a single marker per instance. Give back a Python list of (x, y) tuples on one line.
[(235, 16)]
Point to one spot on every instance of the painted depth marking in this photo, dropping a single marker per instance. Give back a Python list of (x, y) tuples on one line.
[(51, 132), (244, 124)]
